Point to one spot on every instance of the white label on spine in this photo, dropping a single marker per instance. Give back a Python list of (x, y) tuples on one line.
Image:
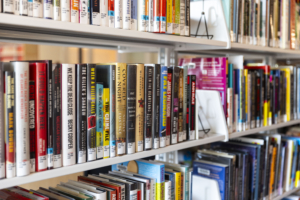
[(184, 135), (57, 161), (104, 12), (162, 27), (32, 165), (48, 9), (148, 143), (127, 14), (8, 6), (74, 14), (50, 160), (276, 120), (151, 18), (192, 135), (121, 148), (252, 125), (131, 148), (140, 146), (17, 7), (156, 143), (100, 152), (2, 168), (96, 18), (37, 9), (111, 21), (56, 10), (118, 14), (180, 138), (84, 13), (24, 7), (174, 138), (91, 154), (167, 140), (10, 170), (81, 157), (162, 142), (42, 162), (23, 168), (30, 8), (65, 10), (112, 151), (169, 28), (269, 121), (106, 151)]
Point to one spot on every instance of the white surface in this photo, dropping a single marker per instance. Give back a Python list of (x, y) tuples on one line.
[(205, 189)]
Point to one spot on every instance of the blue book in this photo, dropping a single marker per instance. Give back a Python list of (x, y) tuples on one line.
[(215, 171), (254, 158), (163, 105), (99, 120)]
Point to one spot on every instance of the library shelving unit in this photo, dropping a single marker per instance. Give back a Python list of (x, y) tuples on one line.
[(20, 29)]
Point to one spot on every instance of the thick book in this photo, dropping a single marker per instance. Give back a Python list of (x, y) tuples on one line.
[(163, 106), (65, 10), (38, 73), (175, 105), (118, 13), (106, 73), (81, 112), (106, 122), (169, 106), (22, 136), (111, 13), (68, 109), (57, 117), (148, 112), (74, 11), (131, 108), (121, 80), (95, 15), (84, 12), (91, 112), (139, 105), (156, 106), (2, 125), (99, 120)]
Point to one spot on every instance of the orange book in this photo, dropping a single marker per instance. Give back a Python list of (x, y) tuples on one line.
[(272, 174)]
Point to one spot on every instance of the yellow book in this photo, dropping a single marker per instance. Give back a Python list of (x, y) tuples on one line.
[(272, 170), (287, 76), (106, 123), (169, 14)]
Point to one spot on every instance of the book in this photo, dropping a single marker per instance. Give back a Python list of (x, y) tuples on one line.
[(111, 13), (168, 186), (8, 6), (37, 9), (2, 125), (99, 120), (169, 106), (180, 106), (134, 15), (162, 16), (56, 9), (142, 15), (23, 7), (95, 13), (91, 112), (156, 106), (32, 124), (48, 9), (163, 106), (22, 136), (169, 16), (57, 115), (126, 12), (68, 114), (65, 10), (84, 12), (185, 87), (81, 113), (287, 99), (121, 82), (175, 105), (119, 13), (156, 4), (104, 13), (192, 116), (131, 108), (106, 122), (150, 19)]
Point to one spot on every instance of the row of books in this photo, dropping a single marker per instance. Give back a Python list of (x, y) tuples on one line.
[(254, 95), (55, 115), (171, 17), (273, 23)]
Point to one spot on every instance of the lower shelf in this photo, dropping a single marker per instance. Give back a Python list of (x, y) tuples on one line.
[(286, 193), (38, 176)]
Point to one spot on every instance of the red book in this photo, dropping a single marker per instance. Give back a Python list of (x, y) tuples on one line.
[(162, 15), (16, 195), (38, 74), (169, 105), (24, 190)]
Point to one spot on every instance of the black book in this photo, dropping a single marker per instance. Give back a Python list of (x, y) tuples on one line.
[(272, 101), (180, 105), (156, 103), (130, 111), (91, 112), (56, 108), (81, 124), (259, 97), (50, 115), (94, 12), (253, 100), (283, 108), (188, 92), (192, 112), (149, 78), (175, 105)]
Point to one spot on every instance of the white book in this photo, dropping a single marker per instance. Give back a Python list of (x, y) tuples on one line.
[(104, 12), (84, 12), (17, 7), (141, 15), (75, 11), (168, 186), (23, 7), (8, 6), (111, 15), (48, 9), (229, 110), (288, 163), (2, 130), (56, 10), (21, 70), (37, 9), (182, 18), (126, 14), (65, 10), (150, 17), (236, 120), (118, 13), (68, 114), (30, 8)]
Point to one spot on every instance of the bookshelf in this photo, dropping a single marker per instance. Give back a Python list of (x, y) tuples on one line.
[(286, 193)]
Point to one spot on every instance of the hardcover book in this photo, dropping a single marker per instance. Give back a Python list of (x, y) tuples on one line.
[(163, 105), (180, 106), (175, 105), (106, 122), (156, 106), (99, 120), (95, 14), (169, 106)]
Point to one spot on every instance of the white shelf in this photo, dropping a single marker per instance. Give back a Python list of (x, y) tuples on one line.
[(266, 128), (286, 193), (5, 183)]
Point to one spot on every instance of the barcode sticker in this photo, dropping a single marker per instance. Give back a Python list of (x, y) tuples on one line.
[(180, 136), (184, 135), (167, 140), (42, 162), (148, 143), (131, 148), (100, 152), (32, 165), (121, 148), (57, 161), (162, 142), (192, 135), (106, 151), (174, 138), (91, 154), (156, 143)]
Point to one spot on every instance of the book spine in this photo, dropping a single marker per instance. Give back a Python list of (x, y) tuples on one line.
[(168, 186), (169, 16), (48, 9), (74, 11), (121, 77), (56, 10), (112, 113), (169, 106), (192, 118), (95, 15), (184, 133), (131, 107), (139, 120), (180, 106), (229, 109), (111, 13), (56, 93), (126, 14), (174, 24), (10, 125), (177, 17), (134, 15), (104, 12), (84, 12), (149, 72), (37, 9), (253, 101), (23, 7), (99, 120), (162, 15), (65, 10), (68, 115), (147, 9), (81, 118), (163, 106), (50, 116), (175, 105), (249, 102), (17, 7), (292, 96), (41, 116), (2, 129), (142, 15), (91, 113), (188, 108), (8, 6), (118, 14), (150, 20), (182, 18), (30, 8), (156, 107), (156, 16), (187, 18), (21, 118), (106, 122)]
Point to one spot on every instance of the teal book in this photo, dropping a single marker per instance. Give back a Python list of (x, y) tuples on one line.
[(227, 10), (99, 120)]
